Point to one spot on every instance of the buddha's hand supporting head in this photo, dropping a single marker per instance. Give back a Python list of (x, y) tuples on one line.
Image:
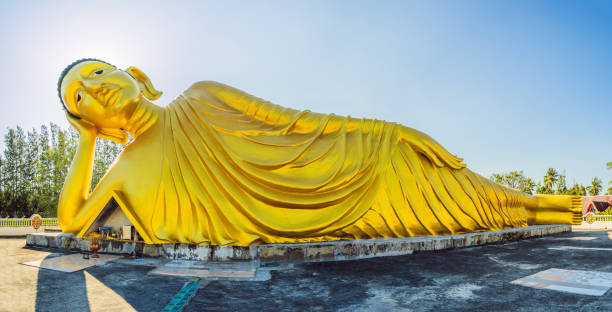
[(100, 99)]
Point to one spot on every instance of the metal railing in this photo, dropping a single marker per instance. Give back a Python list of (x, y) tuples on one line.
[(25, 222)]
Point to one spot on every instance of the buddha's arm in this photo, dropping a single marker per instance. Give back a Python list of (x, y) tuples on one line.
[(75, 200), (431, 149), (248, 104)]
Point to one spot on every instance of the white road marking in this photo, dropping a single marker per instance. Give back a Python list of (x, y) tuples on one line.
[(578, 248)]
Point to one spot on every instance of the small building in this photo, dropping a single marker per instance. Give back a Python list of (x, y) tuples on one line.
[(596, 203)]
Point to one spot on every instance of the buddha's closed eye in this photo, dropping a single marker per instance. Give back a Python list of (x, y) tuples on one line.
[(97, 73)]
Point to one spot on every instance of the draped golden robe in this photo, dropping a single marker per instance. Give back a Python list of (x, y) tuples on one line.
[(234, 169)]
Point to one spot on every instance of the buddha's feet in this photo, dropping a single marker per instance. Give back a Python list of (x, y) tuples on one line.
[(556, 209)]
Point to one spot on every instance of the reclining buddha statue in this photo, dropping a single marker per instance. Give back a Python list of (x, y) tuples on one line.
[(219, 166)]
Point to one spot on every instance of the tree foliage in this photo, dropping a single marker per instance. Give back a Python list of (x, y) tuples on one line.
[(550, 178), (553, 182), (516, 180), (33, 167), (595, 187)]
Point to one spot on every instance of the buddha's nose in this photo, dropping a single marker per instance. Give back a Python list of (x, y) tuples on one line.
[(96, 89), (92, 85)]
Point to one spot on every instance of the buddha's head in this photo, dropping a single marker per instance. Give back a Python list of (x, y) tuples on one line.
[(102, 94)]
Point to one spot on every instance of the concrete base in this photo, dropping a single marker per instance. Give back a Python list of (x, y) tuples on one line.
[(320, 251)]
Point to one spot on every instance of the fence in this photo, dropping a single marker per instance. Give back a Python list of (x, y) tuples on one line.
[(603, 217), (25, 222), (23, 226)]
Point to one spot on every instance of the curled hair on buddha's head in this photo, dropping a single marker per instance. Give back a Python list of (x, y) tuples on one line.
[(63, 74)]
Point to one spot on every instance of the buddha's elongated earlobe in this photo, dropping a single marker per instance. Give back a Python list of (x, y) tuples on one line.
[(145, 83)]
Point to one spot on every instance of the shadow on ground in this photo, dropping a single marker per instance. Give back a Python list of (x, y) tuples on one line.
[(87, 289), (470, 279)]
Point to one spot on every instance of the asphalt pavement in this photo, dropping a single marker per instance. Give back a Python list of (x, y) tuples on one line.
[(468, 279)]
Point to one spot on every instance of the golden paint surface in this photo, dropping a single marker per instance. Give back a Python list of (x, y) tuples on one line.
[(222, 167)]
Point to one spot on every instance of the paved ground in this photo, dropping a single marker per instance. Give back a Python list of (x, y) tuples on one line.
[(597, 225), (470, 279), (109, 287)]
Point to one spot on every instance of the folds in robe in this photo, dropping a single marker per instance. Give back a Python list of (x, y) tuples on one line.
[(239, 170)]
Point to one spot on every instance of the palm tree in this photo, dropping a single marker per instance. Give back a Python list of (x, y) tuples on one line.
[(595, 187), (551, 178), (609, 165)]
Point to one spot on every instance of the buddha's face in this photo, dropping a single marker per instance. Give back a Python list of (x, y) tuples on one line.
[(100, 93)]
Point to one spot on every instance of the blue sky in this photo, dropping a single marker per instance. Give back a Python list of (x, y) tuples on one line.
[(504, 84)]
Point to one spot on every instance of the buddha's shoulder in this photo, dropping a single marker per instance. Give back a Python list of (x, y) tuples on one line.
[(211, 87)]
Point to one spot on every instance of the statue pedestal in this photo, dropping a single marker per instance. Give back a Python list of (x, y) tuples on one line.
[(305, 252)]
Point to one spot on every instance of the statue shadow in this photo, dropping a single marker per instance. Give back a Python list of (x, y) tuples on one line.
[(63, 291), (60, 291)]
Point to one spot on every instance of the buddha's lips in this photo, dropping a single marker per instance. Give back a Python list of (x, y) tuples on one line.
[(107, 95), (114, 98)]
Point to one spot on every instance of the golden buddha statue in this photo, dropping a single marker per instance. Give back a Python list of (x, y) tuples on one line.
[(219, 166)]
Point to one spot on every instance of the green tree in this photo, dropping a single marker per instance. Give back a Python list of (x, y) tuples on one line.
[(576, 189), (45, 168), (513, 179), (528, 186), (498, 178), (595, 187), (561, 185), (516, 180), (106, 152), (14, 173), (3, 193), (543, 189), (550, 179), (33, 167), (63, 147), (582, 191)]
